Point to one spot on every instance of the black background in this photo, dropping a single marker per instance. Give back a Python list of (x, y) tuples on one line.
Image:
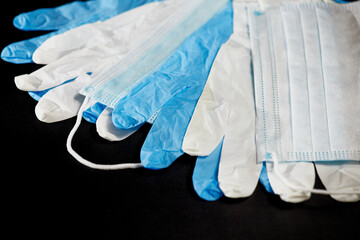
[(47, 193)]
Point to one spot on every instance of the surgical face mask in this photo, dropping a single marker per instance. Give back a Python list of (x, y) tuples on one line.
[(306, 60), (306, 67)]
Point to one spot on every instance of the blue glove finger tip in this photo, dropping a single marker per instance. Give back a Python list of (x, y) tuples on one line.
[(6, 54), (264, 179), (20, 22), (14, 55), (92, 113), (150, 162), (157, 159), (123, 121), (211, 196), (31, 21), (90, 116), (209, 191)]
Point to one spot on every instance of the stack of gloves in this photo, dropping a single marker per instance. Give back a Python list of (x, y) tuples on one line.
[(257, 90)]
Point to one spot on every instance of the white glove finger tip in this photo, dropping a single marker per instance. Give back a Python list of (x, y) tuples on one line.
[(107, 130), (189, 147), (196, 148), (295, 197), (49, 112), (52, 49), (236, 191), (346, 197), (341, 178), (111, 133), (27, 82), (40, 56)]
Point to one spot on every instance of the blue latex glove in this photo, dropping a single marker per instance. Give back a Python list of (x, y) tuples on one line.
[(59, 20)]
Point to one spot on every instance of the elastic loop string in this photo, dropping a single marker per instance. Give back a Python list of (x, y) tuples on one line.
[(86, 162)]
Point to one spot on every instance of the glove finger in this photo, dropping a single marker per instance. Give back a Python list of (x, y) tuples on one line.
[(54, 18), (57, 46), (205, 176), (204, 131), (162, 146), (58, 72), (287, 178), (341, 177), (92, 113), (73, 14), (108, 131), (60, 103), (22, 51), (239, 171), (207, 125), (264, 179), (37, 95)]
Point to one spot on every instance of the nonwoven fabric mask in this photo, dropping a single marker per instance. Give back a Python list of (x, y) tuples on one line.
[(307, 80)]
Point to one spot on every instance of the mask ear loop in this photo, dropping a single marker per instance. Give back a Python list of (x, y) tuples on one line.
[(86, 162), (312, 190)]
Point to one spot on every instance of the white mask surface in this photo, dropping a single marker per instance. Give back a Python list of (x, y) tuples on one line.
[(306, 73)]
